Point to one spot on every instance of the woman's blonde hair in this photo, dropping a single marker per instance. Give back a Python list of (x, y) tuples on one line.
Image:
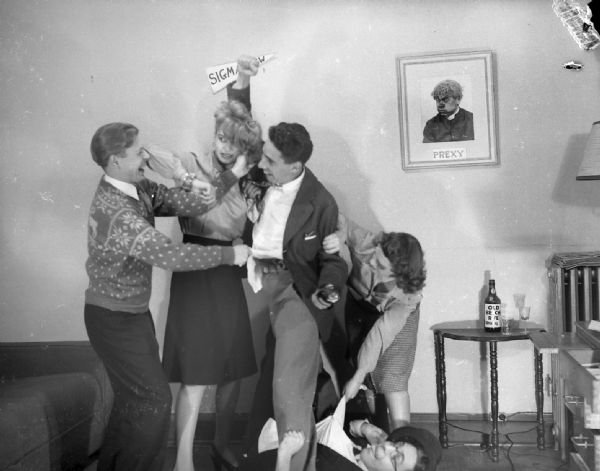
[(234, 120)]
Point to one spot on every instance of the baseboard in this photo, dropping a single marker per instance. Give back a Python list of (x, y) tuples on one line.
[(205, 428), (518, 428)]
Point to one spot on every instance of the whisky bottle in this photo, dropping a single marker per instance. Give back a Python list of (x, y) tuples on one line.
[(491, 308)]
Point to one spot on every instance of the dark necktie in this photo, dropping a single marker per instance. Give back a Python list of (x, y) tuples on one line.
[(145, 199)]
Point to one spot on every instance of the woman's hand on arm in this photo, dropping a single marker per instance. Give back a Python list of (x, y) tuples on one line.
[(331, 243)]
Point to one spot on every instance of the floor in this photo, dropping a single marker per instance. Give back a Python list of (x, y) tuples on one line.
[(455, 458), (516, 457), (518, 452)]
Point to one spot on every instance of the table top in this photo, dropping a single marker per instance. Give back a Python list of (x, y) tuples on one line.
[(473, 330)]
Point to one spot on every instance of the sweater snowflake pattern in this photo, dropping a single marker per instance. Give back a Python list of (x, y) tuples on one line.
[(123, 244)]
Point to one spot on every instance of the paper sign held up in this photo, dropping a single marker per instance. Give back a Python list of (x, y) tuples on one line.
[(219, 76)]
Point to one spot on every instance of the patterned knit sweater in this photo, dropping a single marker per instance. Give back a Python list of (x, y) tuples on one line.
[(123, 244)]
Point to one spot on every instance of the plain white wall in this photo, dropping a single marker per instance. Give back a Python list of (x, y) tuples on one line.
[(68, 67)]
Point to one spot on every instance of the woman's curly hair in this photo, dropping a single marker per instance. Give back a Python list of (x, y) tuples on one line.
[(234, 120), (406, 257)]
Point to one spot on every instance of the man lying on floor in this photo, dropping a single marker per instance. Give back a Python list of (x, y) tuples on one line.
[(405, 449)]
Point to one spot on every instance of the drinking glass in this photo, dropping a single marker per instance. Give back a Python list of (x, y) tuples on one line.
[(505, 323), (524, 315)]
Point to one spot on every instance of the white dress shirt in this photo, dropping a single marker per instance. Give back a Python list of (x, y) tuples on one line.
[(268, 232), (269, 228)]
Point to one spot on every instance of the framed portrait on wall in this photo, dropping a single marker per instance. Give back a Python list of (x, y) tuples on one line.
[(447, 109)]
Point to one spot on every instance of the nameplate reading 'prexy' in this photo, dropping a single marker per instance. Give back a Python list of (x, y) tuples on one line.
[(449, 154)]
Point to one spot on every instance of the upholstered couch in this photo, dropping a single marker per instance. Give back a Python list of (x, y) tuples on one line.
[(55, 399)]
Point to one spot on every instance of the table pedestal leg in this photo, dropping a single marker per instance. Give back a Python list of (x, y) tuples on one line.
[(494, 396), (440, 379), (539, 398)]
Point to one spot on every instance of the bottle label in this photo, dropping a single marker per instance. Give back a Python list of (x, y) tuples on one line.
[(492, 316)]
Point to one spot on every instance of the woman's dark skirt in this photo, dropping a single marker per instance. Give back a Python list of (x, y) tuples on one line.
[(208, 338)]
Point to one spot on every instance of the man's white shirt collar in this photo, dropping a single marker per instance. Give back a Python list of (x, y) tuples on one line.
[(451, 117), (128, 188), (292, 186)]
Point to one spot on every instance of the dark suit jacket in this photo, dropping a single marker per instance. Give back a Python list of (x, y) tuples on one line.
[(313, 216), (327, 460)]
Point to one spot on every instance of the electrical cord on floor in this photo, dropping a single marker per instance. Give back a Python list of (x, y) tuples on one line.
[(507, 451), (465, 429), (560, 467), (485, 444), (507, 435)]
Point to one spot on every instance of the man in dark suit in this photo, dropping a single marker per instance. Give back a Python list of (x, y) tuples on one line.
[(298, 212), (291, 268), (370, 449)]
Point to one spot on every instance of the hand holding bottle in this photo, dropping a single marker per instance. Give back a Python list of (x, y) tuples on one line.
[(325, 297)]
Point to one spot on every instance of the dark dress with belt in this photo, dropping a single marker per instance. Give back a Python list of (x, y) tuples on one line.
[(208, 338)]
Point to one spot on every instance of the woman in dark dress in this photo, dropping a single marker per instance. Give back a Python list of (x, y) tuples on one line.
[(208, 339)]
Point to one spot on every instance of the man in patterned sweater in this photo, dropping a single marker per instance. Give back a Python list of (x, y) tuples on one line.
[(123, 246)]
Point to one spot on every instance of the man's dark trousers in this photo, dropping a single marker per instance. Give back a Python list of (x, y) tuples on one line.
[(137, 431)]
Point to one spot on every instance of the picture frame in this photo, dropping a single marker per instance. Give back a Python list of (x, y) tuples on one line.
[(428, 138)]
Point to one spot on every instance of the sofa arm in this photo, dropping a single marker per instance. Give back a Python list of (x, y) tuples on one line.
[(55, 402), (30, 359), (26, 359)]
